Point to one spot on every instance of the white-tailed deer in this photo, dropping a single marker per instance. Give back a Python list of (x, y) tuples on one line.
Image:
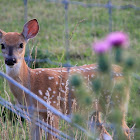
[(50, 84)]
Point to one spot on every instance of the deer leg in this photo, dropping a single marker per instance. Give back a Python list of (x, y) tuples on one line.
[(54, 122), (35, 132), (97, 125), (126, 128)]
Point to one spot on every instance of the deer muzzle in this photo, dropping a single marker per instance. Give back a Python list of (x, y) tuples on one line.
[(10, 61)]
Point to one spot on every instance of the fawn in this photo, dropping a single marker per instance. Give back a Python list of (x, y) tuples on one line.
[(47, 83)]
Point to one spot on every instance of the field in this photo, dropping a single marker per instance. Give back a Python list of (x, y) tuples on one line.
[(86, 25)]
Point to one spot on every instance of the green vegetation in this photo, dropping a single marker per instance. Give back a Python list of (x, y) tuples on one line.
[(86, 25)]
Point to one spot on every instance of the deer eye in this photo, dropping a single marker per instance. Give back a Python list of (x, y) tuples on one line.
[(2, 46), (21, 45)]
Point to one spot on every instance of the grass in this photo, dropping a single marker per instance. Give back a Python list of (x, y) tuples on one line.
[(93, 24)]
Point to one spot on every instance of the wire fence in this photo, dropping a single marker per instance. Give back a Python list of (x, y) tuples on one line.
[(109, 6)]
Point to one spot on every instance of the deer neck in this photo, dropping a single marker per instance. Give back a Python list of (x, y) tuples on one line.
[(18, 72)]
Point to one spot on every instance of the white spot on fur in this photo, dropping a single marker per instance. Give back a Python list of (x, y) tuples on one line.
[(63, 84), (50, 78), (82, 69), (40, 92), (54, 102), (42, 69), (56, 83), (49, 89), (63, 91), (54, 92), (39, 71), (47, 93), (64, 71), (45, 97), (87, 68)]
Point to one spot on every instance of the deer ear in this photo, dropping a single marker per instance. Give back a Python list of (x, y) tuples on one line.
[(30, 29), (1, 34)]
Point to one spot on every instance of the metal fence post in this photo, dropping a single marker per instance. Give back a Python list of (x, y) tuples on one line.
[(28, 62), (66, 3), (25, 10), (25, 20), (109, 5)]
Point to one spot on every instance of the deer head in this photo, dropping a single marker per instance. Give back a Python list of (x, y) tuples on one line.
[(13, 43)]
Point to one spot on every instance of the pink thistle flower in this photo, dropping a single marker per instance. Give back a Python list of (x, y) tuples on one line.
[(101, 47), (118, 39)]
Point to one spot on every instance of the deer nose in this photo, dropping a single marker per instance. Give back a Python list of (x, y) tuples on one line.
[(10, 61)]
